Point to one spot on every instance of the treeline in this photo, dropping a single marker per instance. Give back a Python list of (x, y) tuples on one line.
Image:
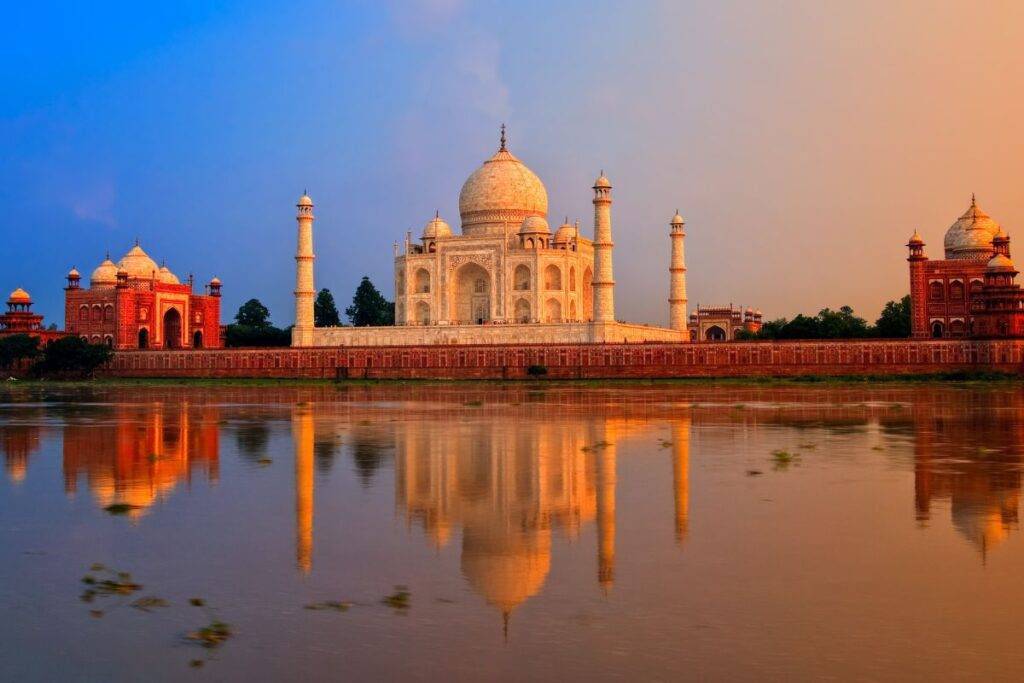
[(893, 323), (63, 358), (252, 326)]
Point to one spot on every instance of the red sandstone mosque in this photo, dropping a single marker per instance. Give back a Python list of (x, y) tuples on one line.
[(971, 292), (136, 304)]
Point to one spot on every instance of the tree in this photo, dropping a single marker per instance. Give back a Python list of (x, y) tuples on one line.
[(895, 319), (369, 307), (71, 357), (253, 314), (16, 347), (252, 327), (325, 313)]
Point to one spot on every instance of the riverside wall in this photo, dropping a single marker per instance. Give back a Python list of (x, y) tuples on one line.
[(581, 361)]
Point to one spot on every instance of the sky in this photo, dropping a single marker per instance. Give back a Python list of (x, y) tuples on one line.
[(802, 141)]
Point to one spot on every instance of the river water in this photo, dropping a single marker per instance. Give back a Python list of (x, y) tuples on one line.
[(460, 532)]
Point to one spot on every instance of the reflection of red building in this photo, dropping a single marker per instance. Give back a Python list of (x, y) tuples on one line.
[(138, 456), (981, 485), (19, 318), (970, 293), (18, 442), (136, 304)]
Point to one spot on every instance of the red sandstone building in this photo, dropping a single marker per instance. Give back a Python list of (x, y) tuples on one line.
[(136, 304), (722, 323), (970, 293), (19, 319)]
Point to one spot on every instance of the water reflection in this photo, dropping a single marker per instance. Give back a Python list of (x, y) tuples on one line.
[(134, 455), (502, 472)]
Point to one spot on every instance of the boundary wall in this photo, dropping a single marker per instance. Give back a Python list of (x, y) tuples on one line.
[(581, 361)]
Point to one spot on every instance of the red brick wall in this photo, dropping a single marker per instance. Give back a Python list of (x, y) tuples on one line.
[(743, 359)]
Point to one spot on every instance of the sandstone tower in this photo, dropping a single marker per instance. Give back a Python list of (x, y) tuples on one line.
[(302, 334), (677, 276), (604, 282)]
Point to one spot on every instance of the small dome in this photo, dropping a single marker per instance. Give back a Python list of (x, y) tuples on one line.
[(305, 200), (73, 274), (139, 264), (534, 225), (215, 280), (19, 296), (1001, 235), (1000, 262), (105, 274), (566, 231), (915, 239), (677, 219), (437, 227), (167, 277), (970, 237), (602, 181)]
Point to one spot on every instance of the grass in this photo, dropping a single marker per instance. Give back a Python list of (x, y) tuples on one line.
[(399, 600), (959, 376), (783, 459)]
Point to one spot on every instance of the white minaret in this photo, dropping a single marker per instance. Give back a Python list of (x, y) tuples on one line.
[(604, 282), (302, 334), (677, 276)]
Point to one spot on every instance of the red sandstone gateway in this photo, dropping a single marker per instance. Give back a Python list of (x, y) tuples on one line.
[(136, 304)]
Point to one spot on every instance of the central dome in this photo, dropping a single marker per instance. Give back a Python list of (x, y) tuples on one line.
[(502, 191), (139, 264), (970, 237)]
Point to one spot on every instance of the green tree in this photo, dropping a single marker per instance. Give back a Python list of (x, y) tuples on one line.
[(253, 314), (71, 357), (369, 307), (895, 319), (16, 347), (325, 313)]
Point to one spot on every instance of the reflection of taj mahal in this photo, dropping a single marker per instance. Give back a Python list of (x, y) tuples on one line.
[(507, 278)]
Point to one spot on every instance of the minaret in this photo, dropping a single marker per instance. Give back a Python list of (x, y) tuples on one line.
[(677, 276), (302, 438), (302, 334), (918, 287), (604, 283)]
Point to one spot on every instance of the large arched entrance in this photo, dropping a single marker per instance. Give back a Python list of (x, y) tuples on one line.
[(715, 333), (172, 329), (471, 298)]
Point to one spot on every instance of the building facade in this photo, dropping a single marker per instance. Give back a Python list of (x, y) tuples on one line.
[(505, 278), (19, 319), (722, 323), (972, 291), (136, 304)]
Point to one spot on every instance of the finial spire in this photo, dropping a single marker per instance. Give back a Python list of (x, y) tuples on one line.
[(503, 141), (136, 241), (437, 213), (973, 203)]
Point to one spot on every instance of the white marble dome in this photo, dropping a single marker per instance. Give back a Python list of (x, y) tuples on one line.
[(437, 227), (533, 225), (502, 191), (105, 274), (167, 277), (138, 264), (970, 237), (1000, 262)]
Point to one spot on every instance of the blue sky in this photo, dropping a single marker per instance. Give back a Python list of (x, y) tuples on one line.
[(802, 143)]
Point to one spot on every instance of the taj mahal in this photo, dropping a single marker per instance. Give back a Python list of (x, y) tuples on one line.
[(505, 278)]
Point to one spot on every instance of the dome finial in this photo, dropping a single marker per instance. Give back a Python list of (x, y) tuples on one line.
[(503, 141), (437, 213)]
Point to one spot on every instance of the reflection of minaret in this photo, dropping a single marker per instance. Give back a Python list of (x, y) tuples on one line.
[(302, 436), (606, 515), (681, 474)]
